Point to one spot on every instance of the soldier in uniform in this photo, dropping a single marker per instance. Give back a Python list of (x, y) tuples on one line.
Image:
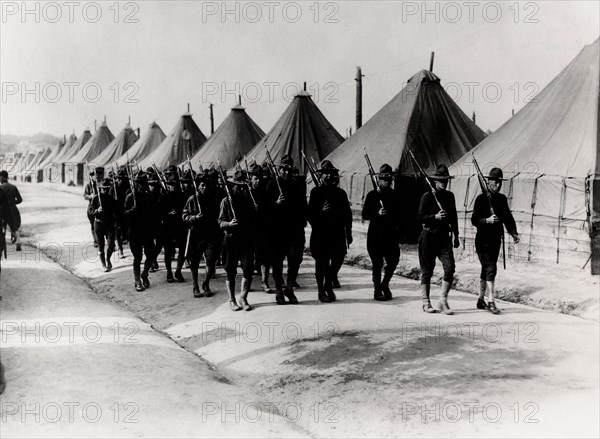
[(103, 208), (330, 216), (436, 238), (263, 240), (489, 235), (122, 187), (14, 198), (287, 210), (382, 211), (201, 214), (139, 207), (237, 219), (89, 191), (155, 189)]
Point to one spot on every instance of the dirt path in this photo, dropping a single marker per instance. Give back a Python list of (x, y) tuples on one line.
[(360, 368)]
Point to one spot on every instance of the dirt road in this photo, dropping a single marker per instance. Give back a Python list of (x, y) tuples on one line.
[(356, 368)]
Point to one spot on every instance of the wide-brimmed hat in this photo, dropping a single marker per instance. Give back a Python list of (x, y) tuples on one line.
[(441, 173), (496, 174), (171, 170), (141, 177), (328, 168), (255, 170), (187, 176), (105, 183), (239, 177), (122, 174), (286, 162), (385, 172)]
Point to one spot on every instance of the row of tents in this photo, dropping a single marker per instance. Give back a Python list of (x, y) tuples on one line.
[(549, 151)]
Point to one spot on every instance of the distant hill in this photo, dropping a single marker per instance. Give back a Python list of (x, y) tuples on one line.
[(10, 143)]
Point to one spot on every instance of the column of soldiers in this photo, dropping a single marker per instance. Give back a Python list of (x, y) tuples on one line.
[(256, 220)]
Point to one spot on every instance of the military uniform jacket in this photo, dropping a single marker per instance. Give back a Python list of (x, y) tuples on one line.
[(245, 214), (481, 211), (290, 215), (109, 209), (171, 204), (139, 219), (429, 208), (338, 216), (382, 228), (207, 226)]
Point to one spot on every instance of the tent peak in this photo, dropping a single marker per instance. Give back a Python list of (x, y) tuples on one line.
[(423, 75), (303, 93), (238, 107)]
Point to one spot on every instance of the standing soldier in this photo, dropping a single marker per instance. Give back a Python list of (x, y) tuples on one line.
[(89, 191), (263, 240), (436, 238), (13, 198), (288, 215), (236, 218), (330, 216), (201, 214), (382, 212), (139, 209), (489, 235), (122, 187), (103, 209), (155, 190), (173, 234)]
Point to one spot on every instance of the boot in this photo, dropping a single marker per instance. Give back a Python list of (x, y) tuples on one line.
[(443, 305), (385, 285), (279, 297), (335, 282), (244, 296), (138, 285), (121, 254), (102, 260), (425, 288), (230, 284), (196, 291), (481, 300), (170, 278), (378, 294), (145, 280), (289, 293), (491, 303), (209, 272), (108, 263), (329, 289), (322, 294), (264, 273), (179, 276)]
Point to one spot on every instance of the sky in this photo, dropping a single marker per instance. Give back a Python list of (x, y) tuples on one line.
[(64, 65)]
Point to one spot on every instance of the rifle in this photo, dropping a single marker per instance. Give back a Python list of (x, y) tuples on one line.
[(130, 178), (248, 183), (161, 177), (194, 183), (179, 177), (313, 173), (114, 169), (431, 188), (373, 177), (222, 174), (95, 188), (273, 170), (486, 191)]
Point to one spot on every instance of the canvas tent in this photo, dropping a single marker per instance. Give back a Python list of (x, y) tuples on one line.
[(68, 149), (145, 145), (74, 166), (119, 146), (549, 152), (77, 146), (185, 139), (301, 128), (234, 138), (422, 117), (48, 167)]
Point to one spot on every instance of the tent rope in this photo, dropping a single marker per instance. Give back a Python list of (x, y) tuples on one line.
[(533, 202)]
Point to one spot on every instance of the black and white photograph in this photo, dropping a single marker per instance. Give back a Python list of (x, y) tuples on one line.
[(299, 219)]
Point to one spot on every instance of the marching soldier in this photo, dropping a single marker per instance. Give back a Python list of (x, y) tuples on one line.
[(436, 238), (154, 189), (122, 187), (201, 214), (288, 215), (330, 216), (263, 240), (139, 207), (236, 218), (103, 209), (14, 198), (382, 211), (89, 191), (489, 235)]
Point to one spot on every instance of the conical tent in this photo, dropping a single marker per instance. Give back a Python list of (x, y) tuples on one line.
[(234, 138), (119, 146), (94, 147), (422, 118), (145, 145), (301, 128), (58, 149), (185, 139), (549, 152), (75, 148)]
